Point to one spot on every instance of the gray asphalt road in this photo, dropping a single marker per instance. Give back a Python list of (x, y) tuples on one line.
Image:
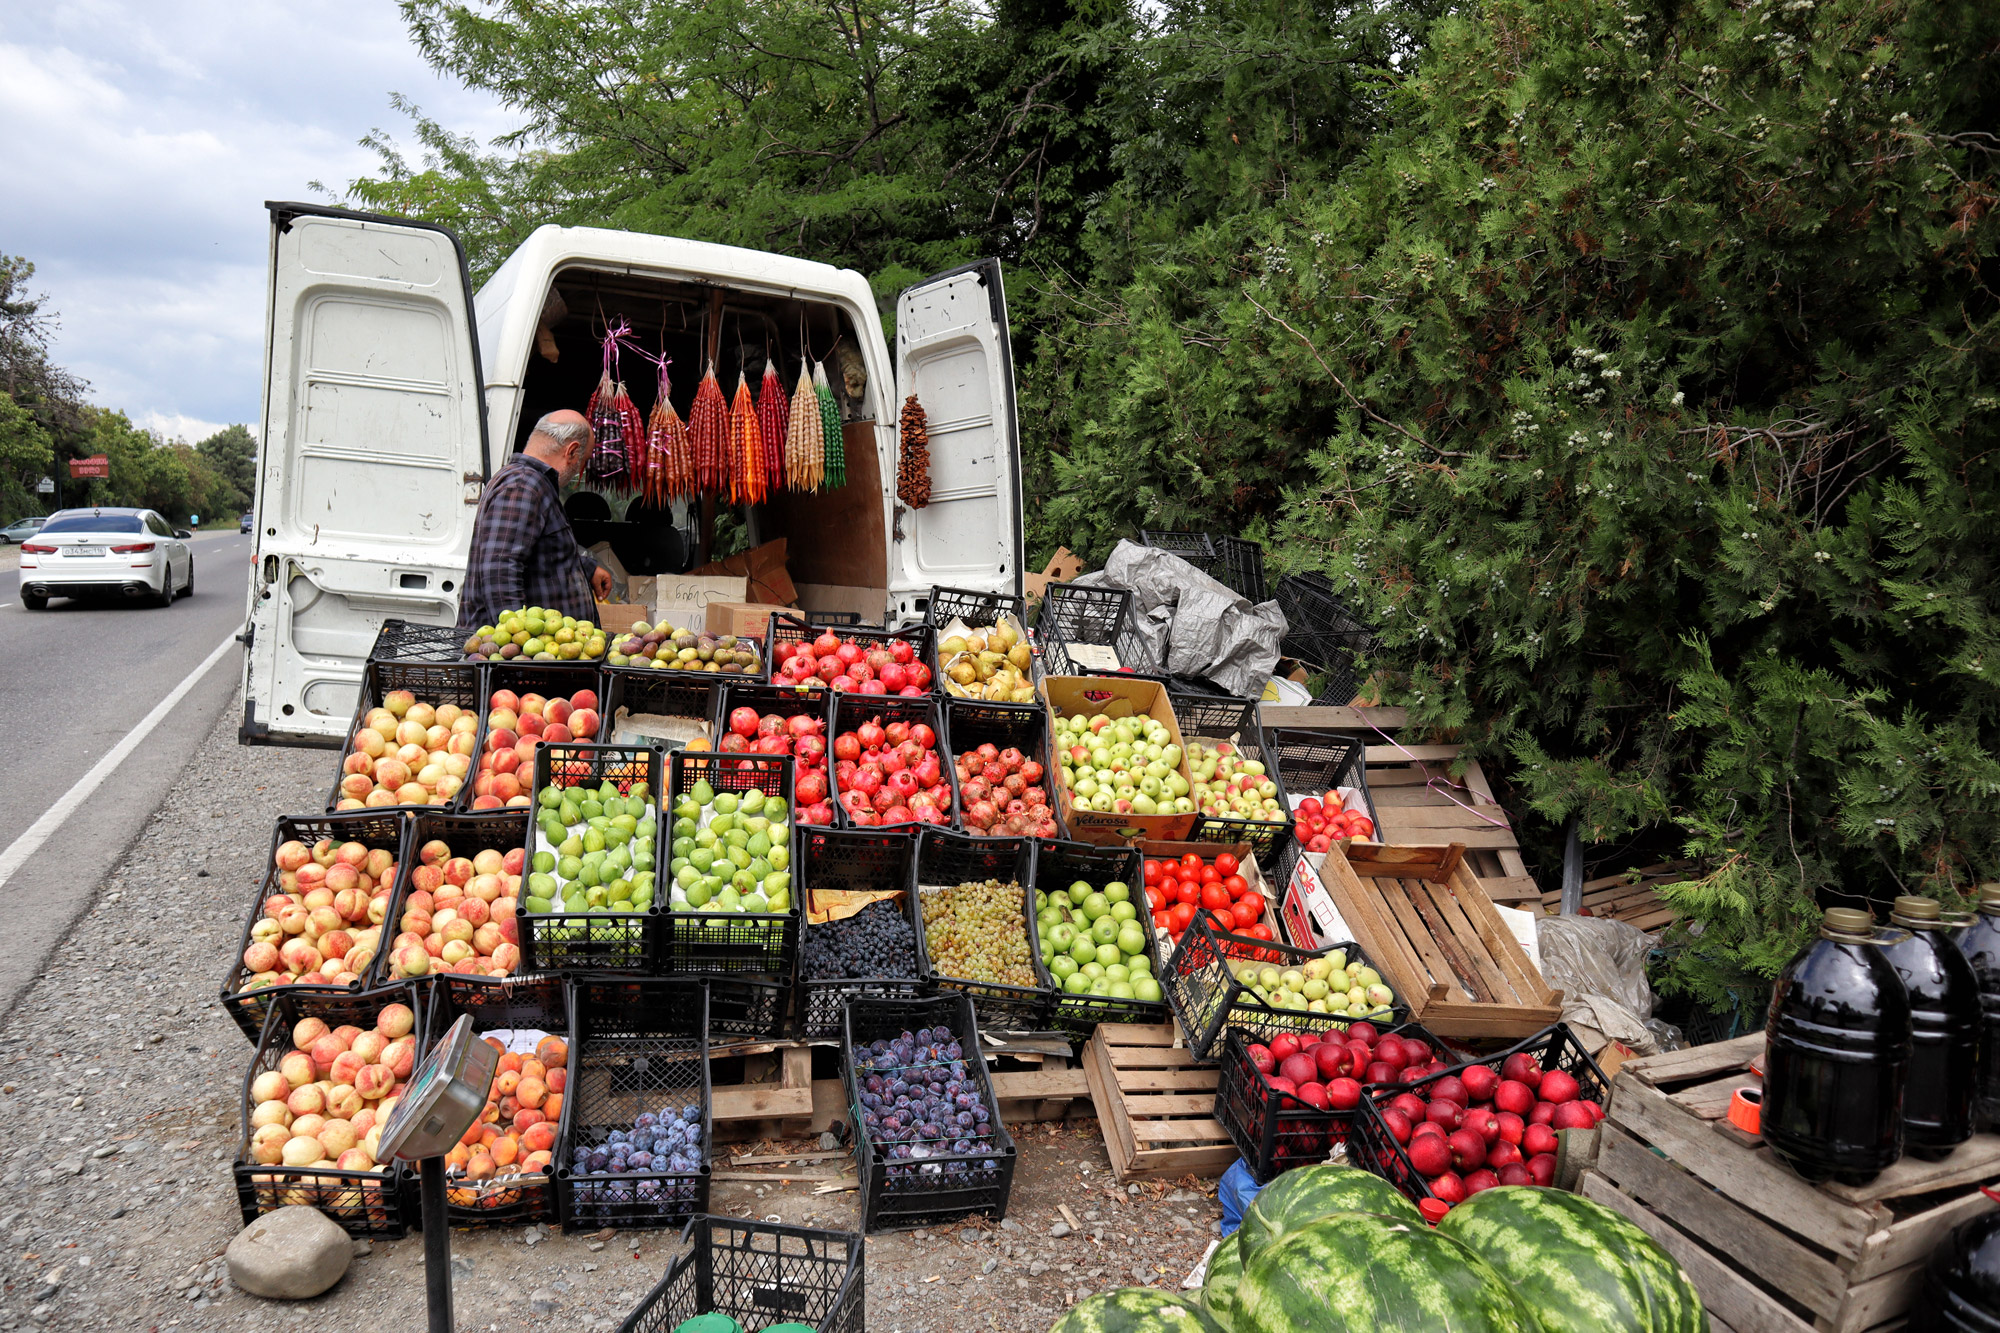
[(75, 680)]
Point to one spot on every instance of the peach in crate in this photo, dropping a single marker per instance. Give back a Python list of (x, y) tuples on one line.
[(458, 915), (515, 725), (323, 925)]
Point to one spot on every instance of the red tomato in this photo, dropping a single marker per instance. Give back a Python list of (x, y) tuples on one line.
[(1225, 864), (1163, 921), (1190, 862), (1237, 886), (1220, 919), (1210, 875), (1154, 898), (1254, 903), (1187, 891), (1243, 917), (1214, 897), (1179, 917), (1261, 931), (1154, 870)]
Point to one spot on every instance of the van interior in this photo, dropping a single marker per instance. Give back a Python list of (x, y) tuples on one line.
[(836, 550)]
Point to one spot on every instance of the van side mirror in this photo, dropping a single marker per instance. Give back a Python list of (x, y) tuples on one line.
[(182, 533)]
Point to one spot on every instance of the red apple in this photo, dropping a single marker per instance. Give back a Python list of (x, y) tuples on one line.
[(1521, 1067), (1397, 1124), (1448, 1114), (1284, 1044), (1430, 1154), (1513, 1095), (1480, 1180), (1343, 1094), (1468, 1150), (1543, 1113), (1479, 1081), (1483, 1123), (1537, 1140), (1516, 1173), (1379, 1073), (1542, 1168), (1333, 1061), (1557, 1087), (1502, 1154), (1448, 1188), (1299, 1067), (1409, 1104), (1362, 1031), (1391, 1051), (1511, 1126), (1449, 1089), (1260, 1056), (1313, 1095), (1572, 1115)]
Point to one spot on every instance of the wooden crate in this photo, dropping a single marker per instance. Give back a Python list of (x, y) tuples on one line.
[(1629, 896), (1418, 799), (1426, 923), (1770, 1252), (1155, 1108)]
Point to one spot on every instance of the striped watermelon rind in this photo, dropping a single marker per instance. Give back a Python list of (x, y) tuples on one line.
[(1137, 1310), (1367, 1273), (1225, 1270), (1582, 1266), (1311, 1192)]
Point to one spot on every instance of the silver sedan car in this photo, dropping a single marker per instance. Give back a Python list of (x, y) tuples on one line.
[(133, 553)]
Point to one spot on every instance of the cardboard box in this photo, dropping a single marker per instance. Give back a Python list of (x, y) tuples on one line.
[(619, 616), (1062, 567), (1116, 697), (681, 600), (743, 618), (871, 604), (763, 567)]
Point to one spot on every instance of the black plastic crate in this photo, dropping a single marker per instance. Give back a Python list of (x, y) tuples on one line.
[(853, 859), (694, 942), (1101, 616), (432, 684), (364, 1203), (1311, 763), (746, 1006), (1240, 564), (1239, 722), (1323, 633), (637, 1044), (973, 607), (561, 941), (373, 829), (680, 694), (971, 723), (1274, 1131), (407, 641), (1057, 866), (902, 1193), (467, 835), (759, 1274), (1373, 1148), (852, 710), (945, 858), (786, 701), (514, 1003), (1207, 998), (790, 629), (1197, 548)]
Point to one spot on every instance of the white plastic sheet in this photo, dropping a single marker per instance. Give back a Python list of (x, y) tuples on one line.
[(1192, 624)]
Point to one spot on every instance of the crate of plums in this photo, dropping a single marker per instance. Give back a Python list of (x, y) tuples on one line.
[(929, 1147), (636, 1115), (861, 924)]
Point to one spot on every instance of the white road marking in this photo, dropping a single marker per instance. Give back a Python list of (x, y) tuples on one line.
[(53, 818)]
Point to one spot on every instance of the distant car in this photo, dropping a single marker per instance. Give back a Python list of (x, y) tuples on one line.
[(132, 552), (20, 530), (249, 522)]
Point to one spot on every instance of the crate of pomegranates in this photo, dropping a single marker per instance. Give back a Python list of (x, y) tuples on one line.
[(1449, 1135), (1290, 1103), (1001, 761), (871, 661), (888, 768)]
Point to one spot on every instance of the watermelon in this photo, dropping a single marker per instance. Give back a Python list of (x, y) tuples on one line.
[(1312, 1192), (1225, 1270), (1584, 1267), (1137, 1310), (1367, 1273)]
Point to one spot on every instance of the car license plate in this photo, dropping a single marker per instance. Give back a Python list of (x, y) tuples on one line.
[(83, 550)]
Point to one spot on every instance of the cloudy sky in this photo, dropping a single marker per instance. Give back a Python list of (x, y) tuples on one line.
[(142, 138)]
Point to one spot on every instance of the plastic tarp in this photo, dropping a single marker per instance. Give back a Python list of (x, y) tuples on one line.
[(1599, 964), (1190, 623)]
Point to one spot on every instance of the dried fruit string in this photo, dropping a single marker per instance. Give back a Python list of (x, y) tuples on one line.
[(708, 433), (802, 436), (609, 464), (913, 464), (774, 414), (833, 470), (667, 442), (746, 447)]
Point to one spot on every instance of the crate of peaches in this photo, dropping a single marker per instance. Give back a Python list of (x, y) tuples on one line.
[(412, 739), (315, 922), (518, 719), (456, 913)]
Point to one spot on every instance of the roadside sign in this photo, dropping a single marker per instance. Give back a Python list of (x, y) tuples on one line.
[(97, 465), (46, 486)]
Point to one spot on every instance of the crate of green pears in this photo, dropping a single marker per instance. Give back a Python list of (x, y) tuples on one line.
[(594, 849)]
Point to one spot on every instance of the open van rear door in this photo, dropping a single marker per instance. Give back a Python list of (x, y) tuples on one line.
[(372, 460), (952, 353)]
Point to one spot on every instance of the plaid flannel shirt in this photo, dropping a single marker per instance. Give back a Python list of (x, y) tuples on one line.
[(523, 552)]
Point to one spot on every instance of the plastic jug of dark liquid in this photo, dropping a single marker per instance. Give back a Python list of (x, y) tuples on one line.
[(1980, 943), (1944, 1028), (1961, 1291), (1836, 1054)]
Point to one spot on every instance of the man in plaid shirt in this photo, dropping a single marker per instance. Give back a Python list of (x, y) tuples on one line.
[(523, 552)]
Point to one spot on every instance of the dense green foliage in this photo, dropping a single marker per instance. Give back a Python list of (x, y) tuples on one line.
[(1632, 366)]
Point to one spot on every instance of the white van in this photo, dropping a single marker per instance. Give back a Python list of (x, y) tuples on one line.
[(392, 392)]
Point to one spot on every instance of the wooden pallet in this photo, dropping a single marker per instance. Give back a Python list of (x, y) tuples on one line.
[(1629, 896), (1426, 923), (1769, 1252), (1155, 1108), (1418, 800)]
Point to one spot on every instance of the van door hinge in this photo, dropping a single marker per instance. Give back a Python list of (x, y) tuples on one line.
[(474, 483)]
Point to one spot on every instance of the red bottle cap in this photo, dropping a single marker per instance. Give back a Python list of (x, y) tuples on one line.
[(1433, 1210)]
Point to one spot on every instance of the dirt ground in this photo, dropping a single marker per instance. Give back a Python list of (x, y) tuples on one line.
[(121, 1085)]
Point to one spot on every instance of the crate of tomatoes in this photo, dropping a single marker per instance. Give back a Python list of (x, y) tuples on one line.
[(1186, 879)]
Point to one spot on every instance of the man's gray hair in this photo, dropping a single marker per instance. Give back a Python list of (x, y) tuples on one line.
[(562, 434)]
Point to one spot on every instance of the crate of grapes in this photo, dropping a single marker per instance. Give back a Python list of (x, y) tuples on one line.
[(975, 898), (761, 1274), (861, 924), (957, 1160), (1102, 974), (633, 1146), (588, 900)]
